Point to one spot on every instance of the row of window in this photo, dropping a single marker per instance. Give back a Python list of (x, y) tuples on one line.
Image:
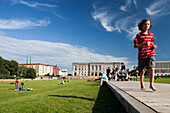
[(163, 65), (163, 71), (94, 67), (81, 74)]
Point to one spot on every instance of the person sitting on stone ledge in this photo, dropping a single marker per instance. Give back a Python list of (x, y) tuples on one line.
[(104, 78)]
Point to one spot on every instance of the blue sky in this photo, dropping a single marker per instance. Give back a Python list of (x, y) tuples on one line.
[(65, 31)]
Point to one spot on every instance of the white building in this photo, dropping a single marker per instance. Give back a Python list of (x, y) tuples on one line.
[(63, 73), (93, 68), (43, 69)]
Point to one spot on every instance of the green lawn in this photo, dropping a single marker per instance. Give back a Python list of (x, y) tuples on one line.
[(78, 96), (159, 80)]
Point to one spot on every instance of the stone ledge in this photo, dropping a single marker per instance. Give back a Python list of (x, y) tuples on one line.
[(131, 104)]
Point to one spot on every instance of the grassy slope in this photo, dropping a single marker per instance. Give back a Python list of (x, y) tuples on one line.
[(78, 96)]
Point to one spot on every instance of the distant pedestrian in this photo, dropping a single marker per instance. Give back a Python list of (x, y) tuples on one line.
[(116, 75), (136, 75), (113, 71), (123, 67), (16, 84), (108, 71), (123, 71), (146, 53), (110, 76)]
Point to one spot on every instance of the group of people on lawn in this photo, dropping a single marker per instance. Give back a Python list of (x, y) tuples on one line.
[(21, 87)]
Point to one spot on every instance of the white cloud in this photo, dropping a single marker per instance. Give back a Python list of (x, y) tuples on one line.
[(159, 8), (22, 24), (51, 53), (32, 4), (124, 24), (105, 19), (121, 24), (127, 5), (59, 16), (135, 3), (117, 22)]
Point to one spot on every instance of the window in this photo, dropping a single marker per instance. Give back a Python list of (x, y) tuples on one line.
[(163, 71), (163, 65), (100, 67), (96, 67), (92, 67), (156, 65), (75, 67), (156, 71)]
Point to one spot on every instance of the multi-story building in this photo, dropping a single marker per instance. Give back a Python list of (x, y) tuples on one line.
[(93, 68), (43, 69), (162, 68), (63, 73)]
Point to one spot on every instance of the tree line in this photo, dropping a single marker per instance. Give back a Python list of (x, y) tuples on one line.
[(9, 69)]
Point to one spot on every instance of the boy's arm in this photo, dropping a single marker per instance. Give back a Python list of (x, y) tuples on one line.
[(154, 46), (136, 45)]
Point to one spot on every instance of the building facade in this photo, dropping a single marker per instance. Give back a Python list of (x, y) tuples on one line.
[(162, 68), (93, 68), (63, 73), (43, 69)]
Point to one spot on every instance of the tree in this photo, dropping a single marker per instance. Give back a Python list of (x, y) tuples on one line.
[(3, 70), (1, 61), (8, 67), (14, 67), (2, 67), (31, 73), (22, 71)]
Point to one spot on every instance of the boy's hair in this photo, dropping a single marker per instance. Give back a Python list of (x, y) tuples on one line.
[(22, 83), (142, 22)]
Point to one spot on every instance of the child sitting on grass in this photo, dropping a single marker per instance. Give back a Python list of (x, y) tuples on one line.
[(22, 87)]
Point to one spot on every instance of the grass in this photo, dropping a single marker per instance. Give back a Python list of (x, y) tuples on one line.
[(159, 80), (78, 96)]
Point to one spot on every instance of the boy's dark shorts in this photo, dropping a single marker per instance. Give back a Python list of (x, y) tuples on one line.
[(146, 63)]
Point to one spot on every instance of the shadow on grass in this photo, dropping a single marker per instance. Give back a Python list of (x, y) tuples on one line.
[(106, 102), (72, 97)]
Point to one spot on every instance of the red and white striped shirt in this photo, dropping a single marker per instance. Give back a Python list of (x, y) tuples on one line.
[(146, 51)]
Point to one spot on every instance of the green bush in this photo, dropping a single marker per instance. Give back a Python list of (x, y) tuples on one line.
[(6, 76), (31, 73), (58, 75)]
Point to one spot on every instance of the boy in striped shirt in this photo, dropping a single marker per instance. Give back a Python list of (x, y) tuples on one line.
[(146, 53)]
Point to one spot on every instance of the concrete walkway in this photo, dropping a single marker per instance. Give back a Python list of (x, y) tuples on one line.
[(135, 100)]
